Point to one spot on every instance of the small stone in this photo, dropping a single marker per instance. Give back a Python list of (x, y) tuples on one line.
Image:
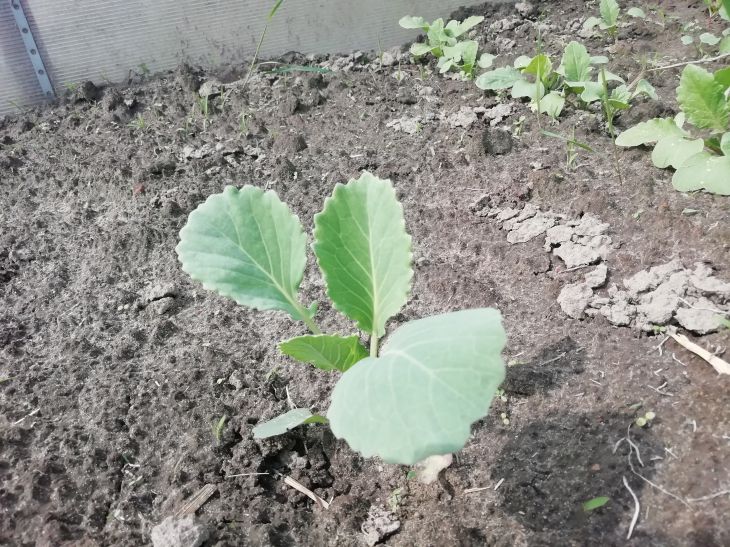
[(498, 113), (379, 525), (159, 291), (530, 228), (575, 255), (236, 380), (464, 117), (291, 143), (89, 92), (597, 277), (506, 214), (210, 88), (496, 141), (183, 532), (289, 105), (640, 282), (574, 298), (388, 59), (171, 208), (700, 318), (620, 313), (525, 9), (657, 308), (406, 125), (162, 306), (590, 226), (702, 279), (557, 235)]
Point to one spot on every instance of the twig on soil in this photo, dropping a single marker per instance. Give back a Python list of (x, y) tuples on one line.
[(658, 347), (245, 475), (553, 359), (711, 496), (720, 365), (499, 483), (197, 501), (478, 489), (697, 62), (637, 508), (307, 492), (33, 413)]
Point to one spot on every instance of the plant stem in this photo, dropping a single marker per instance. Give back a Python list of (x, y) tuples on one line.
[(306, 319), (374, 345), (699, 61), (261, 41)]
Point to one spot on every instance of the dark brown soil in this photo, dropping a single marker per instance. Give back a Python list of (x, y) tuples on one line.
[(115, 366)]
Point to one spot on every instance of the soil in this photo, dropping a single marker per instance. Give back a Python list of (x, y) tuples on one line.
[(115, 366)]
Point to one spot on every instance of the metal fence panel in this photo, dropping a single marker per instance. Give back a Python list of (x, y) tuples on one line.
[(101, 40)]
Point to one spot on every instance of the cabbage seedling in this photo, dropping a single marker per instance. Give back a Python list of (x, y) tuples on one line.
[(442, 42), (701, 164), (414, 397)]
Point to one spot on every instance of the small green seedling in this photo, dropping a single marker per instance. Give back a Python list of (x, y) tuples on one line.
[(138, 122), (414, 397), (571, 146), (442, 41), (218, 428), (642, 421), (609, 11), (595, 503), (608, 20), (700, 164)]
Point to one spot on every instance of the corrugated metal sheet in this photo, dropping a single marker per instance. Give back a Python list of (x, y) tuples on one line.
[(102, 40), (18, 84)]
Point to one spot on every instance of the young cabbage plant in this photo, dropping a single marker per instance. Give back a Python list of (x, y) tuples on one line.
[(414, 397), (608, 20), (699, 163), (442, 42), (547, 86)]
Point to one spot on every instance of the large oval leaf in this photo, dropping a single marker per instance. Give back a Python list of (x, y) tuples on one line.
[(576, 62), (649, 131), (433, 379), (674, 151), (247, 245), (704, 171), (499, 78), (702, 99), (364, 251), (325, 351)]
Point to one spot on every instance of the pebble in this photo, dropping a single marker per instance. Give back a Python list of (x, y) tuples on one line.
[(183, 532)]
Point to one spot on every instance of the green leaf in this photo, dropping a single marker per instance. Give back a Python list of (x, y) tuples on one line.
[(500, 78), (724, 46), (599, 60), (552, 104), (247, 245), (709, 38), (283, 423), (591, 22), (411, 22), (722, 77), (577, 62), (595, 503), (523, 88), (433, 379), (702, 99), (609, 12), (325, 351), (364, 251), (592, 91), (540, 66), (725, 144), (636, 12), (687, 39), (674, 151), (468, 24), (418, 49), (649, 131), (704, 171), (645, 88), (521, 62), (486, 60)]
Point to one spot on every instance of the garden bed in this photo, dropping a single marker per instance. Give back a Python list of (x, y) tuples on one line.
[(115, 367)]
